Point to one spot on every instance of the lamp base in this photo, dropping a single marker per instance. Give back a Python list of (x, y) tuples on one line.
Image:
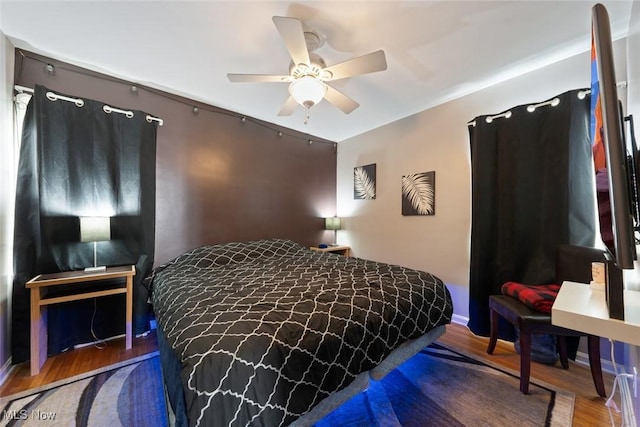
[(95, 269)]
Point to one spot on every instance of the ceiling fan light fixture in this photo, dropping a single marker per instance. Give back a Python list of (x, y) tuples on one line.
[(307, 91)]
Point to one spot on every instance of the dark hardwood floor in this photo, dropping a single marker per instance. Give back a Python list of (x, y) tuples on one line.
[(589, 408)]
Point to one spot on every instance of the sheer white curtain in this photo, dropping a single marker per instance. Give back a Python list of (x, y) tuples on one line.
[(9, 156), (11, 118), (20, 102)]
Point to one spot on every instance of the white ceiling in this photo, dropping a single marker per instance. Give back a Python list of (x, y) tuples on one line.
[(436, 50)]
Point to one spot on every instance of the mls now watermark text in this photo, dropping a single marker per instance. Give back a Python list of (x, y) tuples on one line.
[(23, 415)]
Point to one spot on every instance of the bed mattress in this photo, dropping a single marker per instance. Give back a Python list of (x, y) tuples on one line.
[(263, 331)]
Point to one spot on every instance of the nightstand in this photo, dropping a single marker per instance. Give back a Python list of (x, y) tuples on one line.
[(84, 285), (339, 249)]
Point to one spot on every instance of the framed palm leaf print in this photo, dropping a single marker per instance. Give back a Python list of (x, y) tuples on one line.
[(419, 194), (364, 182)]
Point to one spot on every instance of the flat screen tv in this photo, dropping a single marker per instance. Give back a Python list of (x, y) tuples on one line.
[(620, 171)]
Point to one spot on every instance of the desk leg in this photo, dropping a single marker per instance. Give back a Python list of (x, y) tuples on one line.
[(129, 315), (38, 332)]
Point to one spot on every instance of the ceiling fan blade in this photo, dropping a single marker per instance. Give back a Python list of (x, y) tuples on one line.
[(340, 100), (369, 63), (289, 107), (258, 78), (292, 34)]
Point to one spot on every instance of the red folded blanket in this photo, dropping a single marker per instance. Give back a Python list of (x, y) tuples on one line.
[(537, 297)]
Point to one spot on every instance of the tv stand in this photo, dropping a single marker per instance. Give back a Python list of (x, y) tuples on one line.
[(580, 308)]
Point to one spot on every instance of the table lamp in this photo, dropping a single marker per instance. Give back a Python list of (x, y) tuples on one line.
[(333, 223), (95, 229)]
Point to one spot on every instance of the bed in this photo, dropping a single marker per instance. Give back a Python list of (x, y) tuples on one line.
[(265, 333)]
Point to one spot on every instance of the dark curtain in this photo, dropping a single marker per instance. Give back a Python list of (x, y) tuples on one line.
[(532, 190), (80, 161)]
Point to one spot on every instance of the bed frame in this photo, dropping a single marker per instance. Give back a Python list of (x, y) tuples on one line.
[(174, 392)]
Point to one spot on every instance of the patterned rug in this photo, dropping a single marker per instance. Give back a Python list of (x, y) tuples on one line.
[(440, 387), (436, 387), (126, 394)]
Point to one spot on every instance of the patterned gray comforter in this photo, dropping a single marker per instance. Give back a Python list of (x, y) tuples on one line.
[(265, 330)]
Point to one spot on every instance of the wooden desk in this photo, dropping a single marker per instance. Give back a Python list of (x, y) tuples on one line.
[(579, 308), (40, 285), (342, 250)]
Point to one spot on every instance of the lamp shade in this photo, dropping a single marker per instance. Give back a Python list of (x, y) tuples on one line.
[(95, 228), (307, 91), (333, 223)]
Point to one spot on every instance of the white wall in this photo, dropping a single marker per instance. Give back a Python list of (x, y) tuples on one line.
[(436, 139), (7, 182)]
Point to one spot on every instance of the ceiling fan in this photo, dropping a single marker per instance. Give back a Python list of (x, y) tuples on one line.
[(308, 72)]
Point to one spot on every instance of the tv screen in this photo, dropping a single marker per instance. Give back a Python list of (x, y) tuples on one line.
[(609, 126), (620, 171)]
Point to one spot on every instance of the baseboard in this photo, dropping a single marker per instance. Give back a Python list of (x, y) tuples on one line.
[(97, 342), (581, 358), (152, 325), (460, 320)]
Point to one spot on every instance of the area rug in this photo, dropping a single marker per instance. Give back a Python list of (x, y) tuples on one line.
[(126, 394), (436, 387), (441, 387)]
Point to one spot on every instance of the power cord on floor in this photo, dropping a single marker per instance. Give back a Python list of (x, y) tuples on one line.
[(99, 342), (626, 395)]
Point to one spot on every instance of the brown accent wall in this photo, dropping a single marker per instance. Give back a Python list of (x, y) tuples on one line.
[(218, 179)]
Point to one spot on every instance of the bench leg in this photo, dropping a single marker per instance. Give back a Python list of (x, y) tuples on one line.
[(562, 351), (525, 362), (594, 363), (493, 338)]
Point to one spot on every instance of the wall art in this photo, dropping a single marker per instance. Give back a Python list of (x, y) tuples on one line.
[(364, 182), (419, 194)]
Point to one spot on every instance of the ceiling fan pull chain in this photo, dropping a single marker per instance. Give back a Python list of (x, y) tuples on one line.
[(306, 117)]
